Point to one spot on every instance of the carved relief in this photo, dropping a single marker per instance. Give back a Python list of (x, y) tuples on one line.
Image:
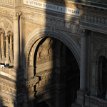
[(45, 79), (44, 50), (42, 77)]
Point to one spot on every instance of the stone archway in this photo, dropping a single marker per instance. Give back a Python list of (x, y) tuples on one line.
[(37, 35), (54, 65)]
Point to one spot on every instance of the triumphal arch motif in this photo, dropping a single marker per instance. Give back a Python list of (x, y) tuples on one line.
[(53, 53)]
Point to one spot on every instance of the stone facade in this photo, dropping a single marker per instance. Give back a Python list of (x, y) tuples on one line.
[(52, 54)]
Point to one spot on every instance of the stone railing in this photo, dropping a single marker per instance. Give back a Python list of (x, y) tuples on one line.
[(94, 22)]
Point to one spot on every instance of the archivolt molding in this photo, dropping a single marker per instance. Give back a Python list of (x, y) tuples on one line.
[(6, 24), (63, 37)]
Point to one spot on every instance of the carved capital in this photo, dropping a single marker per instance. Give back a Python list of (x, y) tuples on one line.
[(18, 13)]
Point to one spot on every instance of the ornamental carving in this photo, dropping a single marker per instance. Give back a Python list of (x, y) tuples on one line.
[(6, 24), (45, 49), (55, 23)]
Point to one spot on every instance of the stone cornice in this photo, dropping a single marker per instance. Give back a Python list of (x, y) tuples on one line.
[(87, 21)]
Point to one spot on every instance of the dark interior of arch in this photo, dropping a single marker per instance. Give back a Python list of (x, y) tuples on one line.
[(41, 104), (64, 74), (102, 77)]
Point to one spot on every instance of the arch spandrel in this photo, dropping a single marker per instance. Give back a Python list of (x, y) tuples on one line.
[(63, 37)]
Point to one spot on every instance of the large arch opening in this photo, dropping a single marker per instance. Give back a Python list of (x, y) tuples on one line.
[(57, 73)]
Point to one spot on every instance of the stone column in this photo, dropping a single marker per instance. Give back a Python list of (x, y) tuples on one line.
[(7, 50), (83, 62), (16, 41), (2, 47), (83, 71), (11, 49)]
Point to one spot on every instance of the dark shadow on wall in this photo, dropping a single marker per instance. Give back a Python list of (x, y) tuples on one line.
[(1, 102), (21, 86)]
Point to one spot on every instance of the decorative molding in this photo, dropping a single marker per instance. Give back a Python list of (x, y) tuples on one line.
[(55, 23), (94, 19), (53, 7), (60, 35)]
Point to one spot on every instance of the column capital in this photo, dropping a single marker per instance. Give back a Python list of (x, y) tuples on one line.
[(85, 32), (17, 14)]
